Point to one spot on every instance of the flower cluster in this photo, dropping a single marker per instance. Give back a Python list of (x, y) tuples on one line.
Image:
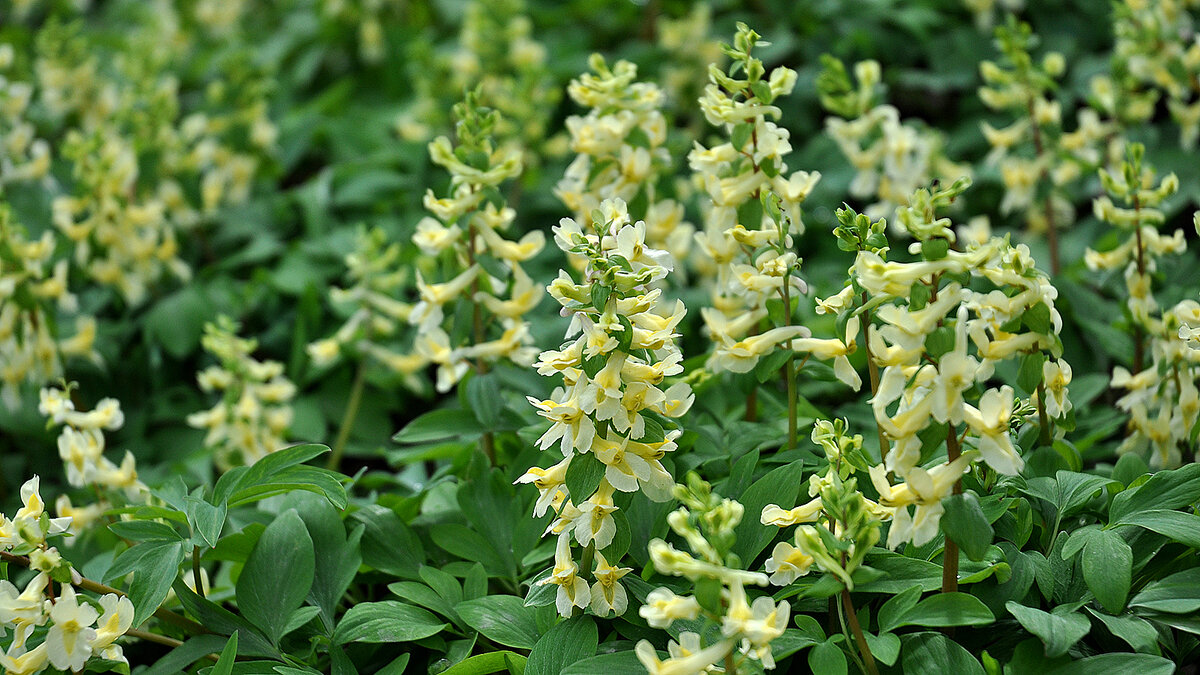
[(367, 17), (468, 233), (1153, 57), (116, 122), (844, 524), (1161, 395), (81, 448), (622, 153), (497, 55), (253, 414), (377, 276), (1034, 149), (753, 208), (33, 298), (706, 522), (687, 53), (939, 337), (610, 417), (68, 629), (892, 158), (23, 156)]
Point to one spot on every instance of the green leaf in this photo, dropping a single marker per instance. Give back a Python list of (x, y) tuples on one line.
[(1037, 318), (1107, 566), (468, 544), (939, 341), (144, 530), (964, 522), (385, 622), (1120, 662), (599, 295), (583, 476), (1030, 374), (1176, 525), (901, 572), (177, 321), (780, 486), (740, 135), (439, 425), (936, 653), (1136, 631), (388, 543), (885, 647), (947, 609), (935, 249), (566, 643), (179, 659), (228, 656), (1057, 632), (491, 662), (206, 520), (278, 575), (1165, 490), (1176, 594), (503, 619), (617, 663), (892, 612), (154, 566), (483, 395), (827, 658)]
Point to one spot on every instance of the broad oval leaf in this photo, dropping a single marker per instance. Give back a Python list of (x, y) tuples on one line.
[(386, 621)]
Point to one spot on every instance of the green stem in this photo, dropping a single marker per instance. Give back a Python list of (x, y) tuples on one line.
[(196, 571), (1043, 419), (343, 437), (950, 552), (859, 638), (97, 587)]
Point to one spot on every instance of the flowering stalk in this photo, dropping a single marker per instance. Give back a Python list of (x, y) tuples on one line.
[(33, 298), (610, 417), (467, 234), (1162, 399), (754, 211), (1033, 151), (370, 334), (621, 143), (706, 522), (254, 412), (892, 158), (938, 345)]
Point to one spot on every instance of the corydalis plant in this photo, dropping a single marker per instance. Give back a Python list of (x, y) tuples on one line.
[(736, 629), (34, 300), (1161, 396), (81, 448), (621, 143), (610, 417), (467, 236), (892, 158), (939, 337), (252, 416), (1036, 157)]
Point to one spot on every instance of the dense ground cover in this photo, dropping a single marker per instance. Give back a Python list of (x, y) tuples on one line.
[(379, 336)]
